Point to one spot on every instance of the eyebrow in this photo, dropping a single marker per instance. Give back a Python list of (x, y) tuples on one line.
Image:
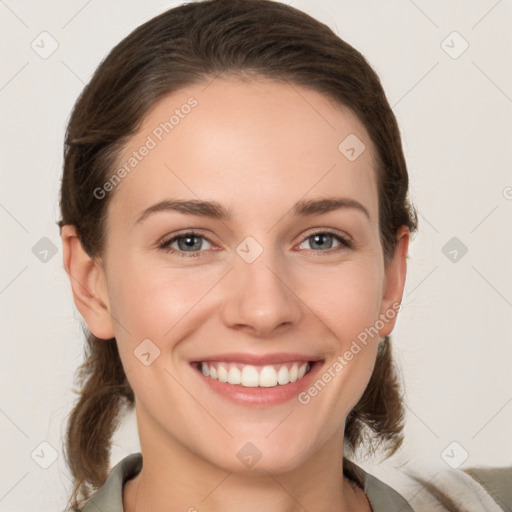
[(214, 210)]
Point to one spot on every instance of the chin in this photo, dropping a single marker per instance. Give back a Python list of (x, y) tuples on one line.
[(261, 457)]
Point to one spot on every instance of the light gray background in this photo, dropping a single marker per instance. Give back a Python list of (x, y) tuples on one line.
[(452, 340)]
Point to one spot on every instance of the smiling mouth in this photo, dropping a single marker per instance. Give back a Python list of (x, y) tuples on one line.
[(253, 376)]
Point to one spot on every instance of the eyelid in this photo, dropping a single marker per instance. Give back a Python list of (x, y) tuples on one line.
[(345, 240), (168, 240), (328, 231)]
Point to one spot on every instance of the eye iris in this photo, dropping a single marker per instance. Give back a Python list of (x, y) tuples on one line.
[(318, 240), (190, 241)]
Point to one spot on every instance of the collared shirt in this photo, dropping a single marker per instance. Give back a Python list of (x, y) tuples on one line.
[(471, 490)]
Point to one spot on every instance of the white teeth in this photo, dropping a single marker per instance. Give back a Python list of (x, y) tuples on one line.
[(222, 374), (234, 375), (250, 376), (283, 375), (268, 377)]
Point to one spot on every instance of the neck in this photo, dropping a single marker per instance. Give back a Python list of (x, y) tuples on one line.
[(173, 479)]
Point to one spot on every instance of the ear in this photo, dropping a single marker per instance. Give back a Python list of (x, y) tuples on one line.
[(394, 282), (88, 284)]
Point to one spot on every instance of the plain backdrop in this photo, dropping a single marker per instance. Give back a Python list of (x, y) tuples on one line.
[(447, 71)]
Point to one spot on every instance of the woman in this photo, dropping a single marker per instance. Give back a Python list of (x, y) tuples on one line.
[(235, 226)]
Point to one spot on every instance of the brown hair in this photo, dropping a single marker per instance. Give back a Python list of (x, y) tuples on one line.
[(185, 45)]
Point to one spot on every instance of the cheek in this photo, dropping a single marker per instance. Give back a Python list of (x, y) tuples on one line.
[(347, 303), (155, 302), (346, 299)]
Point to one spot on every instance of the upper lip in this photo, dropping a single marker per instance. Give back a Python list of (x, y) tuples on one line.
[(256, 359)]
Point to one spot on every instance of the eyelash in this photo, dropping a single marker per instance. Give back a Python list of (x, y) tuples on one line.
[(165, 245)]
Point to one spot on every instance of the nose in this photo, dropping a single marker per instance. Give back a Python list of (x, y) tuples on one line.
[(260, 298)]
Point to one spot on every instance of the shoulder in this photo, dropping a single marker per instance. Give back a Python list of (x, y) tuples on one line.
[(109, 497), (434, 488), (497, 481)]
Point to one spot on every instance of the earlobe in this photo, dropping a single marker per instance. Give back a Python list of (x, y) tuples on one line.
[(395, 274), (88, 285)]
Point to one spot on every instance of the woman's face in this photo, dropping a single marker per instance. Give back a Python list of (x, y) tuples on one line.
[(280, 281)]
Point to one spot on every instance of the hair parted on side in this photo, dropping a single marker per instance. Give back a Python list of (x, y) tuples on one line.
[(196, 42)]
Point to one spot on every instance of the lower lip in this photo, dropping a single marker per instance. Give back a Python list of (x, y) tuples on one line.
[(260, 395)]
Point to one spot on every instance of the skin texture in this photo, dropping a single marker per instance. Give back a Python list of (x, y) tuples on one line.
[(257, 147)]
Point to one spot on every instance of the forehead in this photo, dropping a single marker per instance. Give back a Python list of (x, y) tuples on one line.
[(246, 144)]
